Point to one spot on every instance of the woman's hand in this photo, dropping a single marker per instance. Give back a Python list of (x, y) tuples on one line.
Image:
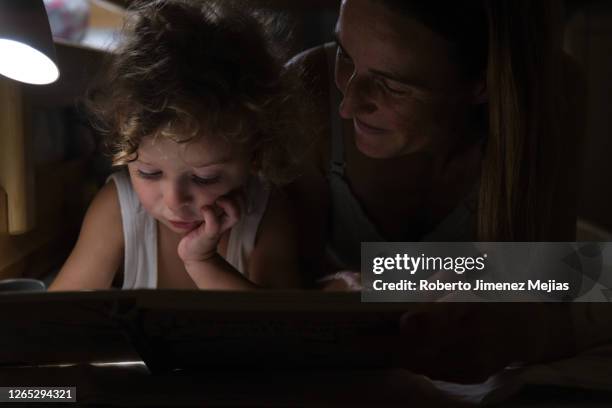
[(341, 281), (200, 244)]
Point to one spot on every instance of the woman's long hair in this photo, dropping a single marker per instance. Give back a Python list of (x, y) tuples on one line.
[(522, 158), (518, 44)]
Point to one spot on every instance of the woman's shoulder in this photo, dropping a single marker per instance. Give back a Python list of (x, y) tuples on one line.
[(311, 62), (313, 68)]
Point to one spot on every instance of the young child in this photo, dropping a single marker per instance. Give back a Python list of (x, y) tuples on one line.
[(197, 110)]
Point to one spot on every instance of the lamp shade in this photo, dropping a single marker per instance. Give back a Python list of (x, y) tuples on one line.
[(27, 53)]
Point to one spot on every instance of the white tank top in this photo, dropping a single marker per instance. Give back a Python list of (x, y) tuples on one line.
[(140, 232)]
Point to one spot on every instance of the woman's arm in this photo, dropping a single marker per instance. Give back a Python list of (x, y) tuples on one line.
[(98, 252)]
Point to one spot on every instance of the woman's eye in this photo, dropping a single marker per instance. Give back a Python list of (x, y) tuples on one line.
[(343, 56), (395, 90), (204, 181), (149, 175)]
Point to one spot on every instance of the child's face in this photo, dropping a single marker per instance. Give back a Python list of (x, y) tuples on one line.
[(174, 181)]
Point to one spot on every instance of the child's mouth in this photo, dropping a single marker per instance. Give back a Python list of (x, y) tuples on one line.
[(185, 225)]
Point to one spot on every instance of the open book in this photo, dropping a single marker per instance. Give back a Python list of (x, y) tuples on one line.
[(198, 330)]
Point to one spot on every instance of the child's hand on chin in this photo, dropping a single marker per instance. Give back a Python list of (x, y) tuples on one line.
[(200, 244)]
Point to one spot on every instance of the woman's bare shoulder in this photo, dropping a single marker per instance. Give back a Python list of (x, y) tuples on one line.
[(312, 66), (313, 69), (312, 60)]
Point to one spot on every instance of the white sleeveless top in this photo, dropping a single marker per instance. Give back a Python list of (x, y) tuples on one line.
[(140, 232)]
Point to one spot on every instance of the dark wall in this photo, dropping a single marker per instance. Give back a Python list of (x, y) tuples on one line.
[(589, 40)]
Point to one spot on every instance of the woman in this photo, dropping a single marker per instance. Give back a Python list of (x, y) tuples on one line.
[(438, 105), (450, 127)]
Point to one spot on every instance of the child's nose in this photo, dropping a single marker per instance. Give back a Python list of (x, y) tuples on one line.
[(176, 197)]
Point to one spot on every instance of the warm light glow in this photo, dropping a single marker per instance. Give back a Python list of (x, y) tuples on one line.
[(23, 63)]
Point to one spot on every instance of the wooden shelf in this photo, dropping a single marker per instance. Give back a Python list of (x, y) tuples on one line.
[(41, 208), (62, 195)]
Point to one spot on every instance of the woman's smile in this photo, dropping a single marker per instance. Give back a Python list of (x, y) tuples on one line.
[(365, 128)]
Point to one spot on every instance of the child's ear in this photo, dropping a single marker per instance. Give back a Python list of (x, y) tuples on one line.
[(480, 93)]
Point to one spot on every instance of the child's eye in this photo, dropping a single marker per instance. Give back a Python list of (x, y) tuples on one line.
[(204, 181), (148, 175)]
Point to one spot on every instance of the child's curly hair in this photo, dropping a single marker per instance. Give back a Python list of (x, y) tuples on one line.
[(189, 66)]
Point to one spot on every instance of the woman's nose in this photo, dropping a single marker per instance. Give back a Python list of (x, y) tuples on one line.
[(358, 97)]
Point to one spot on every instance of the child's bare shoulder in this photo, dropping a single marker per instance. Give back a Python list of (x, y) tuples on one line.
[(273, 262), (98, 252), (102, 229), (105, 208)]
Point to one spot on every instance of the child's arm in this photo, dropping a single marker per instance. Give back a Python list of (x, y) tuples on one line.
[(98, 252), (216, 273), (198, 249), (273, 262)]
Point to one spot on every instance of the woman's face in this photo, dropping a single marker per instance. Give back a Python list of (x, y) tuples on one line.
[(401, 89)]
